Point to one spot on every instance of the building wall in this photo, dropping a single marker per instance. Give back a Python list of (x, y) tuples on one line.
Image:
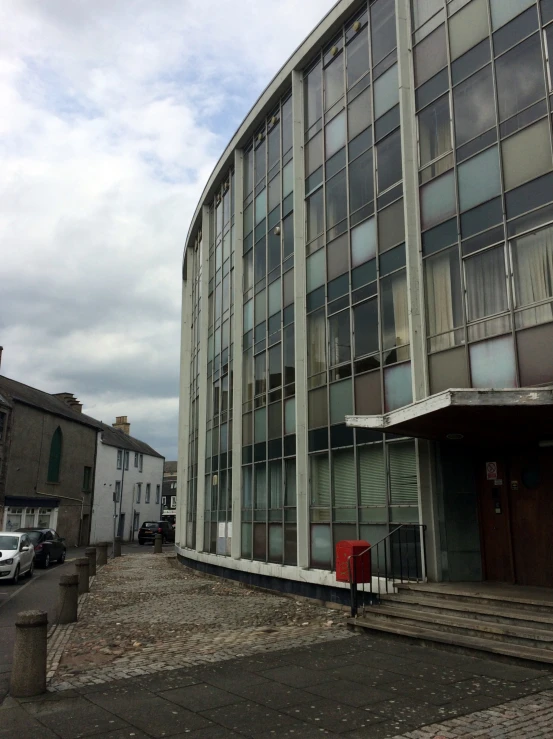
[(27, 470), (378, 229), (107, 475)]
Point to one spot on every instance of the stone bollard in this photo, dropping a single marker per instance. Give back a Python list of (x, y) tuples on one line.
[(68, 599), (28, 676), (82, 570), (117, 547), (101, 553), (158, 544), (90, 553)]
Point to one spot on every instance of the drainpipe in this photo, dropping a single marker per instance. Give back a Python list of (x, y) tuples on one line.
[(66, 497)]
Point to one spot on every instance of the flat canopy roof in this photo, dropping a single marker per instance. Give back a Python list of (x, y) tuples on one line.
[(472, 416)]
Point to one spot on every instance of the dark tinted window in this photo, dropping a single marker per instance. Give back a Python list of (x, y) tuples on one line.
[(474, 106), (520, 79), (35, 536)]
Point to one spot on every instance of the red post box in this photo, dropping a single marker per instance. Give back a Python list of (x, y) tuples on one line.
[(359, 566)]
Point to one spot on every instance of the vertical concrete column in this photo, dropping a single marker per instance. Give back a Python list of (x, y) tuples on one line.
[(101, 553), (117, 546), (302, 460), (202, 360), (90, 554), (237, 339), (184, 401), (68, 599), (409, 151), (28, 676), (81, 567), (158, 544)]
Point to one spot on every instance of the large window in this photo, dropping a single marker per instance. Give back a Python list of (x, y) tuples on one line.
[(532, 257)]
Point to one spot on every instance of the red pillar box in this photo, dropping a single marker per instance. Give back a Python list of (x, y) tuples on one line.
[(360, 566)]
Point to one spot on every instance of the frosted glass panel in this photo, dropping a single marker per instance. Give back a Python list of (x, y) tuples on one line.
[(504, 10), (397, 386), (527, 155), (386, 92), (315, 267), (341, 402), (468, 27), (287, 179), (335, 134), (363, 242), (260, 207), (479, 179), (492, 363), (275, 542), (290, 416), (438, 200), (275, 300), (248, 316), (320, 545)]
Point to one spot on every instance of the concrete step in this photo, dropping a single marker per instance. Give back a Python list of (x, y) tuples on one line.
[(485, 597), (459, 642), (536, 638), (494, 613)]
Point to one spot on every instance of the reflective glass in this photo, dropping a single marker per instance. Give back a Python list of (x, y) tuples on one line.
[(386, 91), (505, 10), (359, 114), (313, 96), (366, 328), (339, 339), (357, 57), (336, 199), (515, 31), (430, 55), (520, 80), (315, 214), (434, 131), (361, 181), (383, 29), (479, 179), (468, 27), (335, 134), (334, 82), (474, 106), (438, 200), (389, 163), (363, 242)]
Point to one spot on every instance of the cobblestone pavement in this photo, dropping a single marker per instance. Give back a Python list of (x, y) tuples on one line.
[(147, 613)]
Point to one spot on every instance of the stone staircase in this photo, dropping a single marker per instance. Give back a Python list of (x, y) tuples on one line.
[(509, 623)]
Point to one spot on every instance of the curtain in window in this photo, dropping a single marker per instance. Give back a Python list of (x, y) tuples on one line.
[(533, 272), (260, 486), (400, 316), (320, 480), (439, 300), (486, 287), (316, 349)]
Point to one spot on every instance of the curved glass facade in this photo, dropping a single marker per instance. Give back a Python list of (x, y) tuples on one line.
[(379, 230)]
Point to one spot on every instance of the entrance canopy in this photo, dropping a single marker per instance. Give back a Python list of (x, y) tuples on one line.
[(523, 415)]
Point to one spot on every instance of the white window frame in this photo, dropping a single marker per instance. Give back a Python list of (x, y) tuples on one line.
[(147, 493), (173, 501), (117, 490), (126, 460)]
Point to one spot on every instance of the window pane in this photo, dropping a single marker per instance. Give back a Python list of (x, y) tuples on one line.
[(341, 401), (492, 363), (372, 475), (259, 422), (287, 179), (315, 269), (527, 155), (434, 130), (275, 299), (337, 257), (395, 312), (366, 328), (520, 80), (389, 161), (315, 207), (430, 56), (357, 57), (339, 338), (320, 546), (363, 242), (361, 181), (248, 316), (359, 114), (479, 179), (398, 391), (438, 200), (275, 422), (335, 134), (383, 29), (334, 82), (403, 473), (485, 284), (443, 297), (314, 154), (386, 91), (336, 199), (473, 101), (260, 374), (343, 479), (316, 343), (533, 273), (320, 480), (318, 408), (391, 226), (423, 10), (289, 350), (313, 96), (468, 27), (504, 10)]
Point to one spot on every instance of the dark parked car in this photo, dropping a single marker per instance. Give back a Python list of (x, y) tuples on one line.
[(49, 547), (149, 529)]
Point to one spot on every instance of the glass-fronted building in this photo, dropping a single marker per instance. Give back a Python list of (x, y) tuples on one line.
[(367, 331)]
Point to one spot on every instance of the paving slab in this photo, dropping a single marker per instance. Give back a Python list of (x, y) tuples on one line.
[(297, 677), (74, 717), (350, 693), (251, 719), (200, 697)]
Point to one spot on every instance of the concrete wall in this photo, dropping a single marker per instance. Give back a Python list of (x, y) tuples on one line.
[(27, 469), (106, 476)]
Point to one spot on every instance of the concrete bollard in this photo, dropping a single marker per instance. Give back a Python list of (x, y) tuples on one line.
[(117, 547), (68, 599), (28, 676), (101, 553), (90, 553), (81, 567), (158, 544)]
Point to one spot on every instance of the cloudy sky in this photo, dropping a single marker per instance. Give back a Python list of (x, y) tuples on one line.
[(113, 114)]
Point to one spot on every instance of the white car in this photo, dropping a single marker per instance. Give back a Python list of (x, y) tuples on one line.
[(17, 555)]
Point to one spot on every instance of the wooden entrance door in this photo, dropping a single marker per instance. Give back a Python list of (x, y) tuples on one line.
[(495, 528), (531, 495)]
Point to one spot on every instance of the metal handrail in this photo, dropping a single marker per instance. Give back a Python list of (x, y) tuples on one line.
[(403, 556)]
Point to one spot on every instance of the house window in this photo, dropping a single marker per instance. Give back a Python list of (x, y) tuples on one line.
[(87, 479), (138, 491), (119, 459), (158, 490), (136, 522), (173, 501), (45, 518), (136, 459), (55, 456), (126, 460), (147, 498), (140, 463), (117, 490)]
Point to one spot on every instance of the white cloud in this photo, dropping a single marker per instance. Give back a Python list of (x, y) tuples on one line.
[(113, 116)]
